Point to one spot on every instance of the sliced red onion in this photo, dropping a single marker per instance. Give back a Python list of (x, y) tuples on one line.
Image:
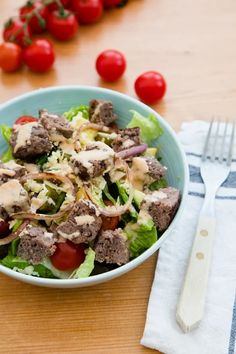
[(134, 150), (14, 235)]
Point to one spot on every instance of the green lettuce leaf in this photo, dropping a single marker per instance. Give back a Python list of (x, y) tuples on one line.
[(13, 247), (108, 194), (161, 183), (7, 155), (150, 128), (124, 196), (86, 268), (56, 272), (6, 133), (97, 187), (20, 265), (75, 110), (141, 235)]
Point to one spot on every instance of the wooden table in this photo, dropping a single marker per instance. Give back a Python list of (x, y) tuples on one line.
[(193, 45)]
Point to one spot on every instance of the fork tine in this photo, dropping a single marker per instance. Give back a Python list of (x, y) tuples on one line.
[(230, 154), (213, 156), (204, 154), (221, 157)]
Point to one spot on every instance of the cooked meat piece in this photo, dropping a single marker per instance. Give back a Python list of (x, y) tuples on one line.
[(83, 223), (3, 213), (101, 112), (56, 126), (29, 141), (144, 171), (13, 197), (155, 169), (126, 138), (93, 161), (36, 244), (11, 170), (112, 247), (162, 206)]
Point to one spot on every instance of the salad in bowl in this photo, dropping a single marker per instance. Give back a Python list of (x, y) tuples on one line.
[(79, 195)]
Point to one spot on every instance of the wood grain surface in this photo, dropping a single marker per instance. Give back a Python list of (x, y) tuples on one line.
[(193, 44)]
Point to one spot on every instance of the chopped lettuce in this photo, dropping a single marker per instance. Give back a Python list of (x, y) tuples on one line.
[(6, 133), (86, 268), (150, 128), (7, 155), (40, 161), (108, 194), (13, 246), (141, 235), (97, 187), (124, 196), (161, 183), (56, 272), (17, 224), (20, 265), (73, 112)]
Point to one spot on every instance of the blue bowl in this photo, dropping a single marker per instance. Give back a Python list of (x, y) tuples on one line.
[(61, 99)]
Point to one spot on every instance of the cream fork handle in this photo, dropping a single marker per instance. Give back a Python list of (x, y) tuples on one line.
[(190, 308)]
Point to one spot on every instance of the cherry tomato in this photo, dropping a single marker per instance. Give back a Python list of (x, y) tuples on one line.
[(110, 223), (38, 22), (25, 119), (150, 87), (39, 56), (87, 11), (62, 25), (109, 4), (111, 65), (68, 256), (4, 228), (17, 31), (54, 6), (10, 56)]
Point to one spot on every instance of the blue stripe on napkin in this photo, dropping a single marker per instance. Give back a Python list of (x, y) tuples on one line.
[(233, 331), (195, 177)]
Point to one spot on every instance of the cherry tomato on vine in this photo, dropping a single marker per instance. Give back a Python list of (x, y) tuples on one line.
[(39, 56), (10, 56), (150, 87), (25, 119), (87, 11), (38, 22), (109, 4), (68, 256), (62, 25), (17, 31), (54, 6), (110, 65)]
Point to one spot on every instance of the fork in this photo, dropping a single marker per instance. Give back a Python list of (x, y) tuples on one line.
[(215, 168)]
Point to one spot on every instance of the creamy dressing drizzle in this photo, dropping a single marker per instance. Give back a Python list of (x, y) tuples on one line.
[(103, 152), (4, 171), (24, 133), (84, 219), (12, 194), (138, 172), (155, 196)]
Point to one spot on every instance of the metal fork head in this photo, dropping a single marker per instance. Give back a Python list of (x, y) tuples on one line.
[(219, 142)]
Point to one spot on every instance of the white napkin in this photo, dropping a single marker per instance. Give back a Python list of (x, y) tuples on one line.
[(217, 331)]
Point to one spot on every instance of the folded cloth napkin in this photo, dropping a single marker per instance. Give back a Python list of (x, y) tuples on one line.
[(217, 330)]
